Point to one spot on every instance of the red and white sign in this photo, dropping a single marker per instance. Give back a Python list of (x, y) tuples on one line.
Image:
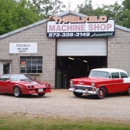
[(81, 27), (78, 27)]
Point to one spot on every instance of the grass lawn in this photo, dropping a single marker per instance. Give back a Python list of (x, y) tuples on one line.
[(24, 122)]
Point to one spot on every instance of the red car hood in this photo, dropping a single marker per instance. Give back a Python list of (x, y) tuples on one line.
[(89, 80), (31, 82)]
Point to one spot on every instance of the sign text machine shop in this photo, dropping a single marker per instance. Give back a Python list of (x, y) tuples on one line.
[(62, 28)]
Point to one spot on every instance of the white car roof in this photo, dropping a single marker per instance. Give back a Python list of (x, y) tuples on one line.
[(109, 70)]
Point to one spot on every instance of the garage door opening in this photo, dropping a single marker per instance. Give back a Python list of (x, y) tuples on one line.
[(76, 66)]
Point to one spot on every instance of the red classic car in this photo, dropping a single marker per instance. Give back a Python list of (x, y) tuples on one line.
[(19, 84), (101, 81)]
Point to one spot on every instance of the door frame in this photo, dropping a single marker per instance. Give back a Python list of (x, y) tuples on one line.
[(2, 65)]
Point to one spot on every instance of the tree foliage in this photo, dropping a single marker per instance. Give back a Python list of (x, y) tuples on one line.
[(126, 4), (86, 8), (120, 13), (15, 14), (48, 7)]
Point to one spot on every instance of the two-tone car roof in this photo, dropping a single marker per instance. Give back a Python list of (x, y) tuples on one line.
[(110, 70)]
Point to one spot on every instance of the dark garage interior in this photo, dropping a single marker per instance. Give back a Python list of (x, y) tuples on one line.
[(76, 66)]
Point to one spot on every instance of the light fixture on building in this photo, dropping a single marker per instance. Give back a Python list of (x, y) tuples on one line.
[(70, 58), (85, 61)]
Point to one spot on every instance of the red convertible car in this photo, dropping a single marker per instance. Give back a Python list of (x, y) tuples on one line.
[(100, 82), (19, 84)]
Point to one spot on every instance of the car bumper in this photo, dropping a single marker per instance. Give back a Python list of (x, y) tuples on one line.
[(39, 91), (83, 91)]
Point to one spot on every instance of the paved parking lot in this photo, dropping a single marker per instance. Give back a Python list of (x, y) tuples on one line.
[(61, 102)]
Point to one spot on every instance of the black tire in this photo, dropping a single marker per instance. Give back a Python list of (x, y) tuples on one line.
[(77, 94), (101, 93), (40, 95), (128, 91), (17, 92)]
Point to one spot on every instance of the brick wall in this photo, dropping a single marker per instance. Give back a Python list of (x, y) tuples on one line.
[(46, 49), (119, 50)]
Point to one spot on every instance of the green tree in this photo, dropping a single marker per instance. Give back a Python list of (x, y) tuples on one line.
[(86, 8), (15, 14), (117, 12), (111, 11), (48, 7), (126, 4), (125, 14)]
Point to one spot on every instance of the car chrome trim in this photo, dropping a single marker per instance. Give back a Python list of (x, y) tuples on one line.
[(79, 85), (84, 91)]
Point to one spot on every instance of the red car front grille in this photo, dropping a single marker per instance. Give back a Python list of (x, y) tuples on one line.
[(83, 88)]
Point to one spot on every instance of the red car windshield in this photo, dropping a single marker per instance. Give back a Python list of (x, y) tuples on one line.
[(18, 77), (101, 74)]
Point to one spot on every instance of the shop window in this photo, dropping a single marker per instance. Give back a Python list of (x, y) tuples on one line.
[(31, 64)]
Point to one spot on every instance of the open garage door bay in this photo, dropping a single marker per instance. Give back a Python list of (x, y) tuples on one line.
[(76, 57)]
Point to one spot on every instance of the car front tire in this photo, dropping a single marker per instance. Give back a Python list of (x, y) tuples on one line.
[(77, 94), (40, 95), (101, 93), (17, 92), (128, 91)]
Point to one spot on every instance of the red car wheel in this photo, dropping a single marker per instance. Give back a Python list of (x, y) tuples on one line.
[(17, 91), (77, 94), (101, 93), (128, 91)]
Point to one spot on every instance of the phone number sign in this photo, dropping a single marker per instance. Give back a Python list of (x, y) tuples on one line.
[(80, 35), (71, 30)]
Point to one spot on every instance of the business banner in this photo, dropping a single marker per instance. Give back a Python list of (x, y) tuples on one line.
[(23, 48), (70, 27)]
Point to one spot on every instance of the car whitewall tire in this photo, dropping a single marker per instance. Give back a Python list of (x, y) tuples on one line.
[(101, 93)]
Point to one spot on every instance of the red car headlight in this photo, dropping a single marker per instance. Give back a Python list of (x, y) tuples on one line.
[(71, 82), (47, 85), (93, 84), (30, 86)]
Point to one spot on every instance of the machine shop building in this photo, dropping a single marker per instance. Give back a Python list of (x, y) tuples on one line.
[(66, 46)]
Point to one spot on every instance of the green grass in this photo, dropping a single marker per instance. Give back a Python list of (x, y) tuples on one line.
[(23, 122)]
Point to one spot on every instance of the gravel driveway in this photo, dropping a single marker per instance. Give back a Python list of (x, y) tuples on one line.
[(61, 102)]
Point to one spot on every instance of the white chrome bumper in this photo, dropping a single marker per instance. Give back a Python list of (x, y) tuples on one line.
[(83, 91)]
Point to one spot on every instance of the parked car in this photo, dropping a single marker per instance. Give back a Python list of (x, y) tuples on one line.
[(19, 84), (100, 82)]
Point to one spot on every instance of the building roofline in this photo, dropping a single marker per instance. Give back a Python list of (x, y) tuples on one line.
[(22, 29), (45, 20), (71, 12), (122, 28)]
